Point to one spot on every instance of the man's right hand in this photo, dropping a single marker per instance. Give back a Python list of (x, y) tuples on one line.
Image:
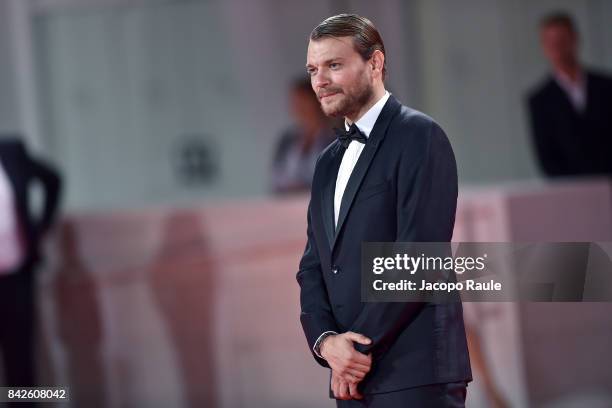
[(348, 363)]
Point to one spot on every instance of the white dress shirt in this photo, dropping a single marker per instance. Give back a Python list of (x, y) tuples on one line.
[(575, 90), (349, 160), (353, 151), (11, 251)]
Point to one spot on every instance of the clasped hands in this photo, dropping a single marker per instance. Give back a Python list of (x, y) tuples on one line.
[(348, 365)]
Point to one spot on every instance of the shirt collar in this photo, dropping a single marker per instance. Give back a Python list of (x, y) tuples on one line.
[(566, 83), (367, 121)]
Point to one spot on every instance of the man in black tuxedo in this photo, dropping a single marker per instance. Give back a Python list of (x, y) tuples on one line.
[(391, 177), (571, 111), (20, 237)]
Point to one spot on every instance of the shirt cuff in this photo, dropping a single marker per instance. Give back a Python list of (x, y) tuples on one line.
[(317, 344)]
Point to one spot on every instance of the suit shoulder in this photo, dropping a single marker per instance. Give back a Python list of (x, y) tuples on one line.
[(540, 90), (413, 120), (415, 131), (410, 121), (600, 78), (12, 143)]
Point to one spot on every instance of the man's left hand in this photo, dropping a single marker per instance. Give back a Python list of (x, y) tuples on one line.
[(344, 390)]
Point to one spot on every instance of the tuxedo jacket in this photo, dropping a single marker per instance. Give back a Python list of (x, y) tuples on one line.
[(22, 170), (568, 142), (403, 188)]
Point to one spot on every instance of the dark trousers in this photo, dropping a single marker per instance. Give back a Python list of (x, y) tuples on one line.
[(451, 395), (17, 322)]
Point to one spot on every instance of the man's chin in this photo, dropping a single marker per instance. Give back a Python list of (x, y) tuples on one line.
[(332, 111), (334, 114)]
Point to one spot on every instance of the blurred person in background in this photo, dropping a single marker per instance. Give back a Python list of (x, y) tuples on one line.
[(571, 110), (298, 148), (21, 235), (390, 176)]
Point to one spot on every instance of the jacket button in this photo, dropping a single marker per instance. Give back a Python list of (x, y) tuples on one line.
[(335, 270)]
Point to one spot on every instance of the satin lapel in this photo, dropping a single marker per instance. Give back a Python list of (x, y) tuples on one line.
[(364, 161), (329, 188)]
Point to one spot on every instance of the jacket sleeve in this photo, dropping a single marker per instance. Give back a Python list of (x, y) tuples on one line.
[(316, 314), (544, 143), (426, 204)]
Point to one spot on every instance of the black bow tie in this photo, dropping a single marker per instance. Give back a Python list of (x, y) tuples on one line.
[(345, 137)]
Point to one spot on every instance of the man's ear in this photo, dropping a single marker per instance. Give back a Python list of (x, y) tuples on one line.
[(378, 61)]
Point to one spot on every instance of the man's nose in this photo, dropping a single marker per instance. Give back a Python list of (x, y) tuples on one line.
[(319, 81)]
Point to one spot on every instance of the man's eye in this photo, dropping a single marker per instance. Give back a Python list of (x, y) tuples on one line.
[(310, 71), (334, 65)]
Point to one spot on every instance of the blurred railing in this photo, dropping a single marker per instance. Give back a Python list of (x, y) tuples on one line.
[(200, 307)]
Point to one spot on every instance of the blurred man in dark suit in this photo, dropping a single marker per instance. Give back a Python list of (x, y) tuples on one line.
[(571, 111), (21, 234)]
